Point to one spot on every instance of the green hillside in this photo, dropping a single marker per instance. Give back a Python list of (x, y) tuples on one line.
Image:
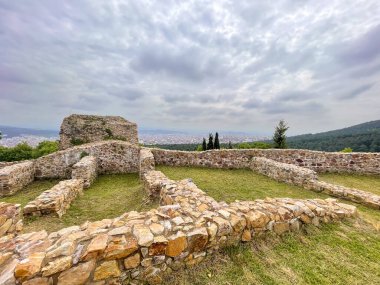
[(362, 137)]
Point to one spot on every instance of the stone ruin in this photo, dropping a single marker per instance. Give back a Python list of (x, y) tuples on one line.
[(80, 129), (186, 227)]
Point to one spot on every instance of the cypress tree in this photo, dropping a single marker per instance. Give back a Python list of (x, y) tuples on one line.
[(210, 144), (216, 142), (279, 138), (204, 145), (229, 145)]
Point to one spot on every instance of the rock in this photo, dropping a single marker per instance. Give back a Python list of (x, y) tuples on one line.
[(67, 248), (57, 265), (156, 229), (7, 276), (77, 275), (279, 228), (107, 269), (97, 245), (120, 247), (132, 261), (257, 219), (158, 246), (143, 234), (30, 266), (246, 236), (224, 227), (39, 281), (5, 227), (176, 244), (198, 239)]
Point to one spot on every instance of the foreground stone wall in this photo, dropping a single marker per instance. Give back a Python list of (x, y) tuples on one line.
[(366, 163), (79, 129), (137, 247), (6, 163), (10, 219), (55, 200), (112, 157), (85, 169), (14, 177)]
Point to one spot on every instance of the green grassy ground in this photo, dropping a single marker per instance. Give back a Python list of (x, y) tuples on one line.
[(370, 183), (108, 197), (340, 253)]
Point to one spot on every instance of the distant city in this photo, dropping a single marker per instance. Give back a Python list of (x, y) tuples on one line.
[(13, 136)]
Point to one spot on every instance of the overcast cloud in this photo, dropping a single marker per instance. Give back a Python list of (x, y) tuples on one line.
[(191, 65)]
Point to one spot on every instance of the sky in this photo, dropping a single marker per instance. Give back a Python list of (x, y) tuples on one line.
[(191, 65)]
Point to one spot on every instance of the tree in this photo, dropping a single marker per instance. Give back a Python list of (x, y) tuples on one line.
[(216, 142), (279, 137), (229, 145), (1, 135), (210, 144), (204, 145)]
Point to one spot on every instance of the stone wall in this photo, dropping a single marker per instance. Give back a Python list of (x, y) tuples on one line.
[(366, 163), (10, 219), (55, 200), (112, 157), (308, 179), (283, 172), (85, 169), (6, 163), (15, 177), (146, 161), (137, 247), (79, 129)]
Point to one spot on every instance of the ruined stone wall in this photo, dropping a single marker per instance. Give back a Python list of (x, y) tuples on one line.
[(112, 157), (55, 200), (283, 172), (80, 129), (15, 177), (146, 161), (6, 163), (366, 163), (10, 219), (85, 169), (137, 247), (308, 179)]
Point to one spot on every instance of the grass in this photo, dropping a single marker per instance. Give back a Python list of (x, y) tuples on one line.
[(109, 197), (340, 253), (30, 192), (370, 183)]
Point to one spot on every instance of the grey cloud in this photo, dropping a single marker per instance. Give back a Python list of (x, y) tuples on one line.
[(362, 50), (357, 91), (233, 62)]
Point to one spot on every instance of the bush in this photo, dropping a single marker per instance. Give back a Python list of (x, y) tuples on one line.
[(23, 151), (260, 145), (346, 149)]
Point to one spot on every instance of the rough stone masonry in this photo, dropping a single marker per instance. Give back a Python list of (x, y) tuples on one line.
[(80, 129)]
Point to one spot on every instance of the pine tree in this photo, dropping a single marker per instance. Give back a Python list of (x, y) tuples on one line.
[(216, 142), (229, 145), (210, 144), (279, 137), (204, 145)]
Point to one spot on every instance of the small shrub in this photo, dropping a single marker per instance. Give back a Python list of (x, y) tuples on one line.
[(83, 154), (346, 149), (75, 141), (109, 133)]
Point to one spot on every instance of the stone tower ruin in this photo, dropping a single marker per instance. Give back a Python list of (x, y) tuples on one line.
[(80, 129)]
